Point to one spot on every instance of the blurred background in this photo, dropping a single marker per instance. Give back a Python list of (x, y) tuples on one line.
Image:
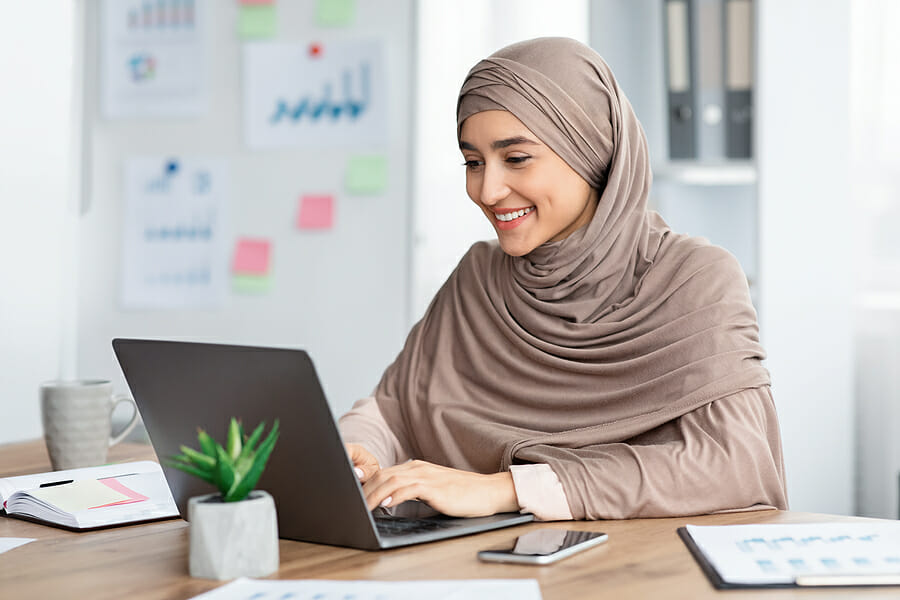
[(286, 173)]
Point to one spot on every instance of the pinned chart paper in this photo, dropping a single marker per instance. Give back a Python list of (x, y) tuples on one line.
[(174, 237), (257, 20), (366, 174), (335, 13), (315, 95), (251, 257), (316, 212), (8, 543), (152, 60), (471, 589)]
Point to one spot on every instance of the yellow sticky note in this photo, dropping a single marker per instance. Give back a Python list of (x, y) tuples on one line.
[(251, 284), (257, 21), (366, 174), (335, 13), (80, 495)]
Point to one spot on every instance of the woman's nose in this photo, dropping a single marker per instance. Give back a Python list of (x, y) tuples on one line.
[(494, 187)]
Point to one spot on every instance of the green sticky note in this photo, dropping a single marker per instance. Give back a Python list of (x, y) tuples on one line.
[(251, 284), (257, 21), (366, 174), (335, 13)]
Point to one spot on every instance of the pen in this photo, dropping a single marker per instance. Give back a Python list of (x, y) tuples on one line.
[(847, 580), (52, 483)]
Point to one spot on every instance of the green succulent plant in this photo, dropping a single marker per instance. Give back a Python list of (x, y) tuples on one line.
[(234, 469)]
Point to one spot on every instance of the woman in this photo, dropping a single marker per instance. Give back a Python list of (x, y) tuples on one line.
[(590, 364)]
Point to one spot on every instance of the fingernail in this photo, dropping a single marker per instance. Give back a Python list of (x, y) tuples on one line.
[(359, 472), (386, 501)]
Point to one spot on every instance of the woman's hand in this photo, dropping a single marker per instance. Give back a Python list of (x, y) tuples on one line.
[(450, 491), (365, 464)]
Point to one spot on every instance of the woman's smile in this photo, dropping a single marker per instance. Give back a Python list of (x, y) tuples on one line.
[(506, 219)]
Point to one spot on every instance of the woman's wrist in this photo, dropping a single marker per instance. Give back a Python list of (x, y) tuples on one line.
[(503, 492)]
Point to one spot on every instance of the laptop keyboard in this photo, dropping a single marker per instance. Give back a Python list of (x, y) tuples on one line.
[(401, 526)]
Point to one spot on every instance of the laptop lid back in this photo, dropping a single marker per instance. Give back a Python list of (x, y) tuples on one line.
[(180, 386)]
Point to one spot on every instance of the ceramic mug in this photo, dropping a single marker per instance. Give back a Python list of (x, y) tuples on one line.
[(77, 421)]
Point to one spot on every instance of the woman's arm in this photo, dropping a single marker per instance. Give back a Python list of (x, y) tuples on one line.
[(720, 457), (533, 488)]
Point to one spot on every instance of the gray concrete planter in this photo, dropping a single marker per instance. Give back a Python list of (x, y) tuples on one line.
[(233, 539)]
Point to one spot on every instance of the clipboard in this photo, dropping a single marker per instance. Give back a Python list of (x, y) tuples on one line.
[(808, 580)]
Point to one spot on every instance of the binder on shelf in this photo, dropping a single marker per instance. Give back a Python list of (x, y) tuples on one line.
[(739, 78), (679, 79), (710, 85)]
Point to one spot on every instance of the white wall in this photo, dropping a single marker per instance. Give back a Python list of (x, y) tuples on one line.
[(802, 109), (36, 61), (452, 37)]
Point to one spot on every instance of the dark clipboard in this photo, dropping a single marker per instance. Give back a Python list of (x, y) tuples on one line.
[(720, 584), (710, 571)]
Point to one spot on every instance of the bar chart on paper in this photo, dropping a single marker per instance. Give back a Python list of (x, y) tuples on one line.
[(779, 554), (174, 252)]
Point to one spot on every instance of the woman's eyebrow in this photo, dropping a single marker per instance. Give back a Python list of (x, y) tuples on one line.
[(497, 145)]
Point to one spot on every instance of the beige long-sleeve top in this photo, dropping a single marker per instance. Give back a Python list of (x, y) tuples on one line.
[(723, 456)]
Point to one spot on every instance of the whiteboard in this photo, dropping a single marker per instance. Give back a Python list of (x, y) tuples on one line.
[(340, 293)]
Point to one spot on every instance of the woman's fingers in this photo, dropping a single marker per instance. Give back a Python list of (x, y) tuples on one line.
[(364, 463)]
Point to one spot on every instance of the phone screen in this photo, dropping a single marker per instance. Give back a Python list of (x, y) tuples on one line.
[(544, 542)]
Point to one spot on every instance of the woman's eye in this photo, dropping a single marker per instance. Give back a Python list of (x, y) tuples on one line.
[(516, 160), (473, 164)]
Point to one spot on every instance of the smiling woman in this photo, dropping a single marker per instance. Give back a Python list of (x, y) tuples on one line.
[(591, 363)]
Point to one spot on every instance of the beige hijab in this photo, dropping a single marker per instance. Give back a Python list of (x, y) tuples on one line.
[(591, 340)]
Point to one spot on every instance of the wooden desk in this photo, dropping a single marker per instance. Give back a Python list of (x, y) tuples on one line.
[(643, 558)]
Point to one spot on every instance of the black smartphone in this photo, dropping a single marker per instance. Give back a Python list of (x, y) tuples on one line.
[(544, 546)]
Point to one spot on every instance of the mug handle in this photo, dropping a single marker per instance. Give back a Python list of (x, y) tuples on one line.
[(116, 399)]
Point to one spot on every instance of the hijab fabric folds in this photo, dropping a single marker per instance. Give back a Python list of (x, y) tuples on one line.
[(592, 340)]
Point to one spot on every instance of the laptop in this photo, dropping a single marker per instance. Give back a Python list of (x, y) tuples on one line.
[(180, 386)]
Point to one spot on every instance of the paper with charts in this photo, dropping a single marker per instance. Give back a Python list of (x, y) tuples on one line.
[(472, 589), (152, 59), (174, 239), (315, 94), (777, 554)]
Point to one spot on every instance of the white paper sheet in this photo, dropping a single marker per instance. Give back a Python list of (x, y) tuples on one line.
[(761, 554), (315, 95), (174, 237), (8, 543), (473, 589), (152, 58)]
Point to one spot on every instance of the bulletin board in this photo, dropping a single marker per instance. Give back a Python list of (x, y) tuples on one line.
[(246, 174)]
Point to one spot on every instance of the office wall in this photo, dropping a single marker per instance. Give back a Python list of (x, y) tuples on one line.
[(36, 71), (342, 294), (806, 242)]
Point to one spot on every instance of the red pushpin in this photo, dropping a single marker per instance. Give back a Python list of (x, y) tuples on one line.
[(315, 50)]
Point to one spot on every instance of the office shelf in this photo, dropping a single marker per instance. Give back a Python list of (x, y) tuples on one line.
[(694, 173)]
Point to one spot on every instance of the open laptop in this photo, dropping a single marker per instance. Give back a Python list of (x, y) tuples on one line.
[(180, 386)]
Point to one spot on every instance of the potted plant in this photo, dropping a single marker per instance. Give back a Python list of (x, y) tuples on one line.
[(234, 532)]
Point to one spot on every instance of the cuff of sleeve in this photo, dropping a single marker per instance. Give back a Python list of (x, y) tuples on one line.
[(540, 492)]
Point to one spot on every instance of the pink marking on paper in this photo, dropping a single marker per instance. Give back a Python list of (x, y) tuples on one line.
[(133, 496)]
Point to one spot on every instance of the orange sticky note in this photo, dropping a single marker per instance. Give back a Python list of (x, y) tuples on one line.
[(316, 212), (251, 257)]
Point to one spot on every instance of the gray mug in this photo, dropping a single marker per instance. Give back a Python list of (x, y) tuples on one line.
[(77, 421)]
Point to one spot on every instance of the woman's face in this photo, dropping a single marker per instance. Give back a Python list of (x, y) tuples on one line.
[(527, 192)]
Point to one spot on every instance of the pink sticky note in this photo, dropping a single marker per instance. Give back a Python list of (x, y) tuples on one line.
[(316, 212), (251, 257), (133, 496), (257, 1)]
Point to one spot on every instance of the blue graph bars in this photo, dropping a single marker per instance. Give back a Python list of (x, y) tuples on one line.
[(161, 14), (327, 107)]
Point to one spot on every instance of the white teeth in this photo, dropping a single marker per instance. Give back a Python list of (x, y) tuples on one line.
[(513, 215)]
